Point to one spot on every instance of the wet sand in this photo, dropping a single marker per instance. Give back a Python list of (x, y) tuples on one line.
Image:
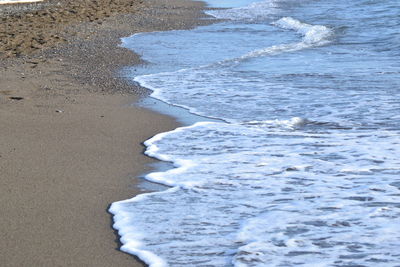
[(70, 142)]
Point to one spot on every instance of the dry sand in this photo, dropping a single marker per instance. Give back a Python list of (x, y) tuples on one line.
[(70, 143)]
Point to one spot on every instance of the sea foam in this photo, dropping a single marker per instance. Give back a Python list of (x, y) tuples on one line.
[(304, 169)]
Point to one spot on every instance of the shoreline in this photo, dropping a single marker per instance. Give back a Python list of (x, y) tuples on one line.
[(71, 144)]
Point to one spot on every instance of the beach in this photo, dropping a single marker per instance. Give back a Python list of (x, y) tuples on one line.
[(70, 140), (300, 164)]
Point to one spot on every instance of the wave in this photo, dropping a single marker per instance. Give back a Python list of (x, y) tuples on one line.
[(311, 187), (192, 81), (258, 193), (313, 36)]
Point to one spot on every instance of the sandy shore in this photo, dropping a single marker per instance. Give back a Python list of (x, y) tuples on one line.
[(70, 143)]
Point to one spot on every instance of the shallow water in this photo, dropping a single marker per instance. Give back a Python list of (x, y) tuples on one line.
[(304, 167)]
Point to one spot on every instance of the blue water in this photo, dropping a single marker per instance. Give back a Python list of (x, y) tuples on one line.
[(302, 165)]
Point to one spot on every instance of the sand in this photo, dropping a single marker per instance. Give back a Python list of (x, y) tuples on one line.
[(3, 2), (70, 142)]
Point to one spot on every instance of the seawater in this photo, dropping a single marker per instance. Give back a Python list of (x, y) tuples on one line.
[(302, 165)]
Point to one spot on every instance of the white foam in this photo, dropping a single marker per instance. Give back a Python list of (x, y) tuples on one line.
[(181, 165), (313, 36), (305, 172), (130, 234), (189, 84), (283, 187)]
